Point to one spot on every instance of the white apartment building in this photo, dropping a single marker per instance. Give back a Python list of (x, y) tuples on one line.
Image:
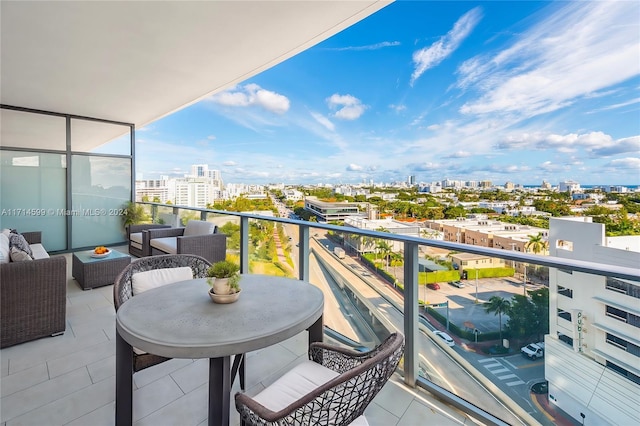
[(568, 185), (592, 352), (161, 189), (293, 194)]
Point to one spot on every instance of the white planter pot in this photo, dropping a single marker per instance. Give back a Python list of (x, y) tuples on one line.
[(221, 286)]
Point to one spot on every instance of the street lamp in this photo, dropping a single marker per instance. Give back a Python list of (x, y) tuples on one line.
[(476, 285)]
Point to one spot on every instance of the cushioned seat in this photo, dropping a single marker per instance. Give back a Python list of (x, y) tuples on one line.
[(333, 388)]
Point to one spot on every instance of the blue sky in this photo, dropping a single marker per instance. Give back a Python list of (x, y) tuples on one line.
[(516, 91)]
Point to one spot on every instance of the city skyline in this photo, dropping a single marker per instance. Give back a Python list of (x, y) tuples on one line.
[(517, 91)]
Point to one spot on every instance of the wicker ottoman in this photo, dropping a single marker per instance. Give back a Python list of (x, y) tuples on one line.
[(93, 272)]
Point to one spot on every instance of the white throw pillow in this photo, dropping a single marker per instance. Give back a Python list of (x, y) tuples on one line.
[(143, 281), (18, 255), (4, 248)]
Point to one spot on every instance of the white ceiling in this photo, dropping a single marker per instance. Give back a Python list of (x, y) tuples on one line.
[(138, 61)]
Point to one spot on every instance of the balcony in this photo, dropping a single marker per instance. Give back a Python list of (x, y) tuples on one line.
[(70, 379)]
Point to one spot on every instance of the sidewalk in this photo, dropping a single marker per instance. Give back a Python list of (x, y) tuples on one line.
[(553, 414)]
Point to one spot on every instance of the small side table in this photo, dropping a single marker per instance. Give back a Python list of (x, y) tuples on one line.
[(93, 272)]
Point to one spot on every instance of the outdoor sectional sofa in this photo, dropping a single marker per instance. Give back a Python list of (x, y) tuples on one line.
[(33, 295)]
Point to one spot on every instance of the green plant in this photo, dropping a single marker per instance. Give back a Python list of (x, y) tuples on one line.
[(226, 269), (134, 213)]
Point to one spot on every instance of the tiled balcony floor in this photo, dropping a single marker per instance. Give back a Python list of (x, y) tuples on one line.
[(70, 379)]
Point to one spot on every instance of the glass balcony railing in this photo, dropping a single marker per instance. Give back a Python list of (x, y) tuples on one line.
[(377, 281)]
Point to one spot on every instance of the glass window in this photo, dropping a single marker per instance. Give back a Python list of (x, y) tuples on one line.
[(33, 192), (35, 131), (100, 138), (101, 186)]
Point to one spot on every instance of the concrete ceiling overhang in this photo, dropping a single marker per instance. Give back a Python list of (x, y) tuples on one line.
[(135, 62)]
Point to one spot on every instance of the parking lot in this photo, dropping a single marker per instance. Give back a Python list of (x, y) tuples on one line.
[(462, 301)]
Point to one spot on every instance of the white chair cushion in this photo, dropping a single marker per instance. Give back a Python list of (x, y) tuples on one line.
[(135, 240), (38, 251), (168, 245), (198, 227), (5, 252), (143, 281), (294, 384)]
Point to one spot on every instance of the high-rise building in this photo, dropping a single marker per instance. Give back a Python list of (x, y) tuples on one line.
[(592, 352)]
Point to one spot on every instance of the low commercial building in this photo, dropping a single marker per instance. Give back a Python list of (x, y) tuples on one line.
[(327, 211)]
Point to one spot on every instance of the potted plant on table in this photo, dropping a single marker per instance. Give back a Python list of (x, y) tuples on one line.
[(224, 279)]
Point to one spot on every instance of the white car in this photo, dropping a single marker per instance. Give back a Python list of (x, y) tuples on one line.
[(445, 337)]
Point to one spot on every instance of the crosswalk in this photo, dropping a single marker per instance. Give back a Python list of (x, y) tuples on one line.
[(499, 370)]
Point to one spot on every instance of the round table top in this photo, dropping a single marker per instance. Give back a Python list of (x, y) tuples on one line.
[(179, 320)]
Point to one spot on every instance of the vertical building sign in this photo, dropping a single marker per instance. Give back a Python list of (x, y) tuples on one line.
[(578, 319)]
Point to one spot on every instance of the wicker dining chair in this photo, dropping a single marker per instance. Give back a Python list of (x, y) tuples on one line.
[(333, 388)]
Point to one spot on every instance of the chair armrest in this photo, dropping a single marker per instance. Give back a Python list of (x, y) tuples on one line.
[(34, 237), (132, 229), (24, 315), (337, 358), (165, 232)]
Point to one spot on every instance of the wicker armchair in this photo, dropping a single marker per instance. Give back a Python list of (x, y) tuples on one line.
[(188, 240), (340, 385), (123, 291), (135, 236)]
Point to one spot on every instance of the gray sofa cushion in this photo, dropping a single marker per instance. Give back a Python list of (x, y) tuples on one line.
[(199, 227), (19, 242), (168, 245)]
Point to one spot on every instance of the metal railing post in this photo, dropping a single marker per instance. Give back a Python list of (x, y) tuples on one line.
[(303, 253), (410, 313), (244, 245)]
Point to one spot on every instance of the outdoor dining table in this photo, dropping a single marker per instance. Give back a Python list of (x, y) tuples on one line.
[(179, 320)]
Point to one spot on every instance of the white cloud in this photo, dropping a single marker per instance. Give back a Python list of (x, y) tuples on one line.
[(348, 107), (459, 154), (625, 163), (584, 47), (253, 95), (375, 46), (354, 168), (211, 137), (324, 121), (229, 163), (398, 108), (621, 146), (596, 144), (431, 56)]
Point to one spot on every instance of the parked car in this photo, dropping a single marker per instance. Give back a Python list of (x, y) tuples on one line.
[(533, 350), (458, 284), (434, 286), (445, 337)]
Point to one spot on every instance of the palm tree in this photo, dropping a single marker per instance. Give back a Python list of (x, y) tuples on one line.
[(385, 249), (396, 258), (498, 306), (536, 244)]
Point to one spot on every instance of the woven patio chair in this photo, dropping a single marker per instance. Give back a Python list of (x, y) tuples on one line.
[(333, 388)]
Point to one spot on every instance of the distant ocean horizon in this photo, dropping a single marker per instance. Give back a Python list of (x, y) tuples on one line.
[(632, 187)]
